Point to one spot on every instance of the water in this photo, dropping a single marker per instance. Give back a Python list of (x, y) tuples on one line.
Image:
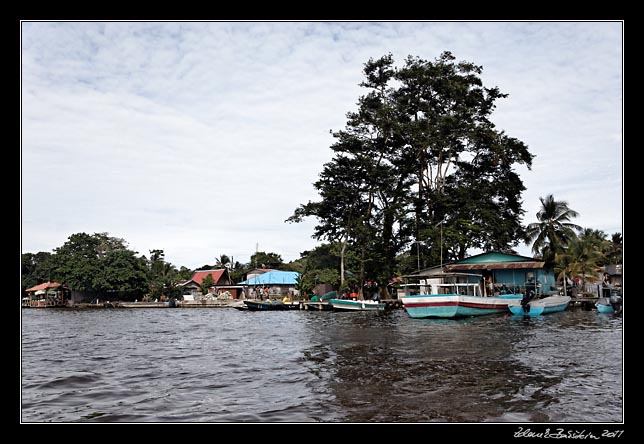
[(224, 365)]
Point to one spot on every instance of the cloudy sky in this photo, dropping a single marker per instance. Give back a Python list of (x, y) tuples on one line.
[(202, 138)]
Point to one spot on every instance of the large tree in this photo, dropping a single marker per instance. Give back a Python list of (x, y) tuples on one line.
[(553, 229), (36, 268), (99, 262), (467, 186), (266, 260), (163, 277), (419, 157)]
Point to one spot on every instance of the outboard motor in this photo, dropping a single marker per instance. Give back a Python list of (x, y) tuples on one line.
[(525, 302), (616, 301)]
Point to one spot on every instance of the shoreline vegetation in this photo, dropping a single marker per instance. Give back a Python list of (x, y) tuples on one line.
[(420, 176)]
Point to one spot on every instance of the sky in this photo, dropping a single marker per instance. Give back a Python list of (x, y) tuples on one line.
[(201, 138)]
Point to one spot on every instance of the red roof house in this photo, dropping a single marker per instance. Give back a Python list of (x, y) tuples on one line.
[(220, 276), (44, 286)]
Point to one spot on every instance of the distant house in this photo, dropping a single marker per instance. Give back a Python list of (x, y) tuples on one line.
[(510, 272), (279, 283), (193, 285), (47, 294)]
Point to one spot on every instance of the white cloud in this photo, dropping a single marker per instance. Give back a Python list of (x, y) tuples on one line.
[(202, 138)]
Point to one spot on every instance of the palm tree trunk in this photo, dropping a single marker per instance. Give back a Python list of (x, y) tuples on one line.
[(564, 283)]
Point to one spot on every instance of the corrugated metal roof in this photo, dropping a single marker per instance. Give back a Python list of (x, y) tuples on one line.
[(273, 277), (495, 265), (199, 276), (44, 286), (495, 257)]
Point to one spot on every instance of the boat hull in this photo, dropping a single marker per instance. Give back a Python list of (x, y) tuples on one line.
[(270, 306), (351, 305), (455, 306), (612, 304), (538, 307), (601, 308)]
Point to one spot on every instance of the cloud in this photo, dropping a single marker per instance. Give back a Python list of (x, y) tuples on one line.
[(202, 138)]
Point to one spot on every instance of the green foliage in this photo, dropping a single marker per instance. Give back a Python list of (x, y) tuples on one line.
[(553, 231), (99, 262), (121, 270), (238, 271), (613, 250), (581, 257), (420, 151), (163, 277), (262, 259), (304, 281), (206, 283), (223, 261), (36, 269), (327, 276), (184, 273), (79, 261)]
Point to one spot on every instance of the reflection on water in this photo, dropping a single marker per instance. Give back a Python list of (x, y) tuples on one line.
[(225, 365)]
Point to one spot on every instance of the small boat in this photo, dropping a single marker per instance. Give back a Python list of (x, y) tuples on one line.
[(239, 305), (456, 296), (604, 306), (612, 304), (271, 305), (356, 305), (529, 306)]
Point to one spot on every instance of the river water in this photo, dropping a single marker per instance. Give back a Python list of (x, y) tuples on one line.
[(225, 365)]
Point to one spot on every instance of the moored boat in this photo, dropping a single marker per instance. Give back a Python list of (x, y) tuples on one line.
[(456, 296), (356, 305), (604, 306), (528, 306), (271, 305), (612, 304)]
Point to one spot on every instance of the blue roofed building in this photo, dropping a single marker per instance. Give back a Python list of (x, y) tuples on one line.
[(279, 283), (509, 272)]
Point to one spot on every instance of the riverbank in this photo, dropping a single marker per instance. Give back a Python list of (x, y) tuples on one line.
[(226, 303)]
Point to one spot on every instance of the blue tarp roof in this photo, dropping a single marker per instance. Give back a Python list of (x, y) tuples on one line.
[(273, 277)]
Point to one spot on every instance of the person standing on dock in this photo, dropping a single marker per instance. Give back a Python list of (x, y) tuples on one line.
[(490, 286)]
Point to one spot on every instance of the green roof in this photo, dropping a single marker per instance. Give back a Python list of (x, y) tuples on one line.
[(494, 256)]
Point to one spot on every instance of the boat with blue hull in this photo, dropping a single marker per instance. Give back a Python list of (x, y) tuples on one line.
[(529, 306), (356, 305), (612, 304), (457, 297), (604, 307)]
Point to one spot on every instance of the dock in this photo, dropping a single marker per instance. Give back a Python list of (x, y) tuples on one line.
[(308, 305), (227, 303)]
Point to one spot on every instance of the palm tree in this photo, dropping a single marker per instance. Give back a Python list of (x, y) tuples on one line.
[(581, 258), (553, 230), (613, 250), (222, 261)]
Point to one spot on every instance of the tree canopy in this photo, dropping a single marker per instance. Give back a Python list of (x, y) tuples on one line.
[(419, 156)]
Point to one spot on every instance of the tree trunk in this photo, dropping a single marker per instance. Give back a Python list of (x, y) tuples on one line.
[(362, 260), (564, 283), (342, 249)]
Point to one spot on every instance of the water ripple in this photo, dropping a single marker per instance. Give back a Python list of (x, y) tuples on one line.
[(219, 365)]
